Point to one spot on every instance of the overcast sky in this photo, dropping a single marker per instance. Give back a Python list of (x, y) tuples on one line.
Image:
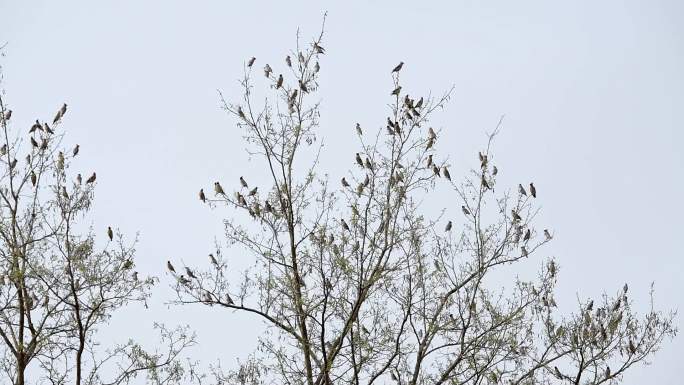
[(593, 93)]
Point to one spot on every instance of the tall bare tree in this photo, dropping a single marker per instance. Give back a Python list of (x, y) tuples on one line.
[(359, 283), (58, 285)]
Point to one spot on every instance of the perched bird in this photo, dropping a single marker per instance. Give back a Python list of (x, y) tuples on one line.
[(267, 70), (430, 143), (446, 173), (465, 210), (183, 280), (170, 267), (359, 161), (229, 300), (515, 216), (523, 249), (43, 144), (607, 371), (251, 62), (625, 288), (527, 235), (288, 60), (590, 305), (398, 67), (435, 169), (317, 67), (268, 207), (301, 58), (302, 86), (33, 142), (632, 348), (202, 197), (429, 160), (36, 126), (279, 83), (60, 114), (396, 91), (60, 160), (92, 178), (420, 103), (318, 48), (533, 190), (3, 149), (110, 233), (243, 182), (34, 178), (13, 164), (344, 224), (190, 273), (76, 149), (135, 275), (8, 115), (65, 194), (495, 170), (241, 200), (344, 182), (47, 129), (547, 234), (253, 191), (366, 181), (212, 259), (485, 184), (358, 129), (218, 189), (368, 164), (448, 226), (521, 190), (431, 133), (241, 113), (557, 372)]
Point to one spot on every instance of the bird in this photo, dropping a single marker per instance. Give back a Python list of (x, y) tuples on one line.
[(533, 190), (253, 191), (318, 48), (359, 161), (515, 216), (218, 189), (288, 60), (495, 170), (279, 83), (485, 184), (435, 169), (302, 86), (92, 178), (43, 144), (368, 164), (366, 181), (429, 160), (344, 182), (251, 62), (358, 129), (523, 249), (632, 348), (547, 234), (229, 300), (625, 288), (268, 207), (521, 190), (34, 178), (607, 371), (317, 67), (393, 376), (527, 235), (170, 267), (202, 197), (448, 226), (135, 275), (13, 164), (47, 128), (465, 210), (396, 91), (110, 233), (212, 259), (267, 70), (60, 160), (36, 126), (590, 305), (60, 114), (3, 149), (398, 67), (431, 133), (344, 224), (8, 115), (33, 142), (420, 103), (241, 200), (446, 173), (557, 372), (190, 273), (76, 149)]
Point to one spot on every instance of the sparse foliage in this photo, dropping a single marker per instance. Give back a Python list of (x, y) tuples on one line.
[(359, 283)]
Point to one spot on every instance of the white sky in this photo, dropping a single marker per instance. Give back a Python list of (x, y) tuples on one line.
[(593, 93)]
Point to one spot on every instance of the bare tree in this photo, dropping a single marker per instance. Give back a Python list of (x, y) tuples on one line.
[(58, 285), (359, 283)]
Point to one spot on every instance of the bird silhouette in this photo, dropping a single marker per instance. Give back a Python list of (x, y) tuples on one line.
[(170, 267), (495, 170), (279, 82), (448, 226), (344, 182), (243, 182), (547, 234), (429, 160), (33, 142), (288, 60), (485, 184), (515, 216), (212, 259), (533, 190), (110, 233), (76, 149), (317, 67), (396, 91), (13, 164), (36, 126), (268, 207), (398, 67), (465, 210), (521, 190), (318, 48), (218, 189), (34, 178), (527, 235), (251, 62), (60, 114), (91, 179), (344, 224), (435, 169), (446, 173), (358, 129), (253, 191), (8, 115), (359, 161), (190, 273), (267, 70), (202, 197), (368, 164)]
